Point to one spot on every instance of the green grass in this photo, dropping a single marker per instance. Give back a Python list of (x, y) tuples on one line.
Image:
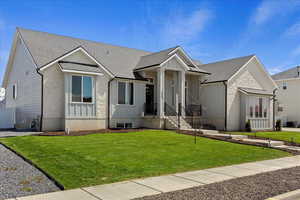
[(281, 135), (77, 161)]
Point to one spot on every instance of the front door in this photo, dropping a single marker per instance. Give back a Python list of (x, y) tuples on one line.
[(150, 106)]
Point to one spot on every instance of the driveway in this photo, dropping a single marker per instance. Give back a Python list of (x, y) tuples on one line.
[(19, 178), (12, 133)]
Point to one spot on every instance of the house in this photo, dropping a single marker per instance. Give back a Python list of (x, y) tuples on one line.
[(62, 83), (288, 96)]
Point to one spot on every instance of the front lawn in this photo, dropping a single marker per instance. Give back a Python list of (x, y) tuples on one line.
[(276, 135), (77, 161)]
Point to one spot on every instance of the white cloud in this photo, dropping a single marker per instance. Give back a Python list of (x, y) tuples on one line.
[(181, 28), (293, 30), (269, 9), (275, 70)]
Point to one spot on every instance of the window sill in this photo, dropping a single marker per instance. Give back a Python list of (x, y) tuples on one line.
[(82, 103)]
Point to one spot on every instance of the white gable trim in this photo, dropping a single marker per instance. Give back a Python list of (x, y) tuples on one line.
[(264, 69), (178, 58), (241, 68), (12, 53), (260, 66), (71, 52), (185, 54)]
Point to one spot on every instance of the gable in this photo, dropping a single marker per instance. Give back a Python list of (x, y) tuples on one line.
[(174, 63), (253, 75), (79, 57)]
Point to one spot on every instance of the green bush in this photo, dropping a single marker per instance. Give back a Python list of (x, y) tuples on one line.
[(248, 126), (278, 125)]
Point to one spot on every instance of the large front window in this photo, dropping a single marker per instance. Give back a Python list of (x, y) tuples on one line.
[(82, 89), (258, 107), (125, 93)]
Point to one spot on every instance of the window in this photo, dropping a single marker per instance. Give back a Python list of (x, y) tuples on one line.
[(82, 89), (284, 85), (260, 102), (258, 107), (14, 88), (251, 111), (125, 93), (173, 92), (124, 125)]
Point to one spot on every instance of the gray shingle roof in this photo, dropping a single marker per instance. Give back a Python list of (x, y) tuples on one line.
[(154, 58), (287, 74), (255, 91), (46, 47), (79, 67), (161, 56), (223, 70)]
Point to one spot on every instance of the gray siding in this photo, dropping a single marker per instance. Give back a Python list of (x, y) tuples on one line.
[(213, 104), (23, 74), (53, 103), (127, 113)]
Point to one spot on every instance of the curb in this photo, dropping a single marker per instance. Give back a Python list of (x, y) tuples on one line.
[(59, 185)]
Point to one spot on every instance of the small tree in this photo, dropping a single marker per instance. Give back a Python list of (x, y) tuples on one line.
[(278, 125), (248, 126)]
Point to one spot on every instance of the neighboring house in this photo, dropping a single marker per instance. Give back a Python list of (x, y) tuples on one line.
[(288, 95), (65, 83)]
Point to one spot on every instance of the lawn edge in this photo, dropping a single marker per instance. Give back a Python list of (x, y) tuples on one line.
[(230, 140), (57, 183)]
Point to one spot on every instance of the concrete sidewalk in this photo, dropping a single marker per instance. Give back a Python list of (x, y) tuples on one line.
[(156, 185), (293, 195)]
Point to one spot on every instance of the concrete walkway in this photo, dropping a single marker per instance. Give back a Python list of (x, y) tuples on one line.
[(271, 143), (293, 195), (291, 129), (155, 185), (13, 133)]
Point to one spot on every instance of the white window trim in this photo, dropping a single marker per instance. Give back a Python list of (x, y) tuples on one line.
[(93, 96), (15, 91), (126, 93)]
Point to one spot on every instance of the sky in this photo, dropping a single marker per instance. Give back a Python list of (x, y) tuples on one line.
[(208, 30)]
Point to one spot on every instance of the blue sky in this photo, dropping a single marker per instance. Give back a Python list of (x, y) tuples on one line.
[(208, 30)]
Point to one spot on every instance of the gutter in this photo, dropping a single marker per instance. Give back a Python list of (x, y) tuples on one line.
[(42, 99), (225, 112), (108, 102)]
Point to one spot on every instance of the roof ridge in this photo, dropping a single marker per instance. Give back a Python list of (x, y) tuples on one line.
[(157, 52), (286, 70), (230, 59), (76, 38)]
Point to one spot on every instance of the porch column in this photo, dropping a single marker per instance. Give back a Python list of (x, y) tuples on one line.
[(160, 92), (182, 91)]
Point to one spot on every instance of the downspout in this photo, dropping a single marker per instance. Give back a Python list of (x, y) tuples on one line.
[(225, 114), (274, 99), (42, 99), (108, 99)]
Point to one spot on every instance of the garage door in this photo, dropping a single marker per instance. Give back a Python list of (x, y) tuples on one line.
[(7, 118)]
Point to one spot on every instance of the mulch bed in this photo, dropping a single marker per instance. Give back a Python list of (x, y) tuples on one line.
[(78, 133), (256, 187), (229, 139)]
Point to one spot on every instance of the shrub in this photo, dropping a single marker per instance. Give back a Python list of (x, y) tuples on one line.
[(248, 126), (278, 125), (290, 124)]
